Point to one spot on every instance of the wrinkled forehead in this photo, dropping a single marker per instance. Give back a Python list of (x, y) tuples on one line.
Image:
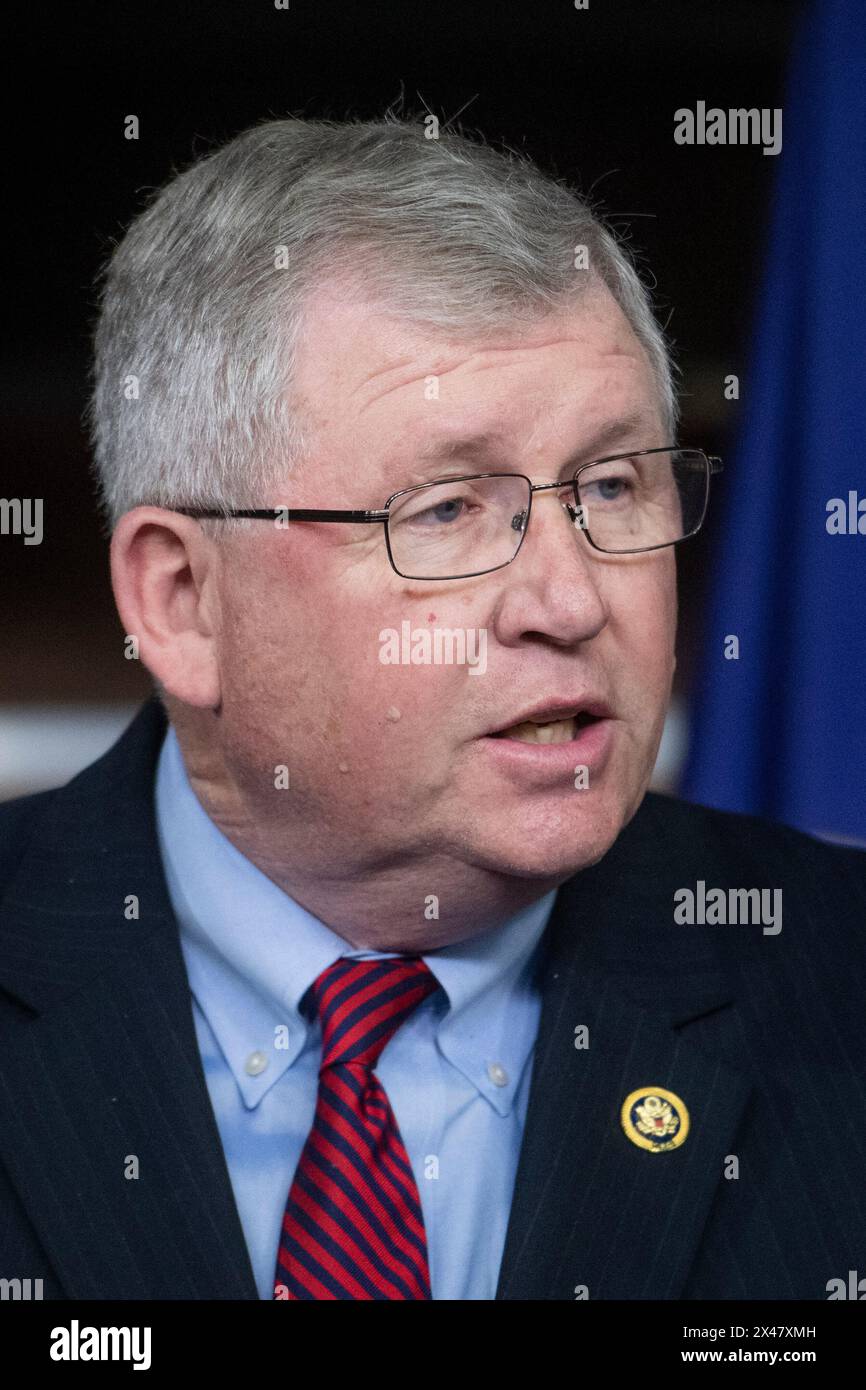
[(387, 392)]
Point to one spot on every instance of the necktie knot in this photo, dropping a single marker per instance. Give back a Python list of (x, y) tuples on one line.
[(362, 1003)]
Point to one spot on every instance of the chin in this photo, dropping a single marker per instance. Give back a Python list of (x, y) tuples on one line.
[(554, 847)]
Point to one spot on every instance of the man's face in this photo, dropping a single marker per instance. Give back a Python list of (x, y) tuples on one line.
[(393, 764)]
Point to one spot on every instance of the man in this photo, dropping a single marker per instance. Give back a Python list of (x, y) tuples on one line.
[(376, 973)]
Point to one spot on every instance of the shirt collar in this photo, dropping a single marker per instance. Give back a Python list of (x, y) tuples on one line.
[(252, 952)]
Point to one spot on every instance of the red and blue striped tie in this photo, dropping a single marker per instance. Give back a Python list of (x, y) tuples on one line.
[(353, 1226)]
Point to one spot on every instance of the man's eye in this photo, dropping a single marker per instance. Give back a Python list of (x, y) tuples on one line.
[(450, 509), (608, 489)]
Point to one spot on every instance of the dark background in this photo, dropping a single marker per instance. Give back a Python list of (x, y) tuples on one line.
[(589, 94)]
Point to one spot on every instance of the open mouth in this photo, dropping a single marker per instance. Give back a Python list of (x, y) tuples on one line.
[(551, 731)]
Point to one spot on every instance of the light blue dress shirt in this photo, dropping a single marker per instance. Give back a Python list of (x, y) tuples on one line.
[(456, 1073)]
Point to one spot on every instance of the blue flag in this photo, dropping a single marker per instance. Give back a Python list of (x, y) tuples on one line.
[(778, 726)]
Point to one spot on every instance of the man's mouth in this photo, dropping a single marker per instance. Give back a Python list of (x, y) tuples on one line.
[(551, 740), (548, 731)]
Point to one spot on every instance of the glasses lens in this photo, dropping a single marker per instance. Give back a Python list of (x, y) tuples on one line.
[(460, 527), (642, 501)]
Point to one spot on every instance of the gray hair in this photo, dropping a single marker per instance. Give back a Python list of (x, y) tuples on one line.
[(201, 302)]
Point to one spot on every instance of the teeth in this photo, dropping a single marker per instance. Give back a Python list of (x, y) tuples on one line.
[(560, 731)]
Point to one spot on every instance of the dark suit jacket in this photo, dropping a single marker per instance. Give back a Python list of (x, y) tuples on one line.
[(761, 1036)]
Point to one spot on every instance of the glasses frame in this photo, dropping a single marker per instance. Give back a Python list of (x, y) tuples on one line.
[(712, 464)]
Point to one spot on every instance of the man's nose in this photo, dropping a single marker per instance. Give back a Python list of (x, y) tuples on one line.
[(553, 584)]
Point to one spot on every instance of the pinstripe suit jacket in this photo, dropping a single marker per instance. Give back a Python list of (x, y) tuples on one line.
[(762, 1037)]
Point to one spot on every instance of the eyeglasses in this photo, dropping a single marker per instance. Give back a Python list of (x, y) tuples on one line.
[(460, 527)]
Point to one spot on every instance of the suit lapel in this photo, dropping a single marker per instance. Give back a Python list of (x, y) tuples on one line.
[(106, 1126), (593, 1214)]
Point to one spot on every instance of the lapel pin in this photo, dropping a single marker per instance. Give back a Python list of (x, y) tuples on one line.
[(655, 1119)]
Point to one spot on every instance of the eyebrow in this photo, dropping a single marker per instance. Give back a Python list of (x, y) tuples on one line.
[(487, 446)]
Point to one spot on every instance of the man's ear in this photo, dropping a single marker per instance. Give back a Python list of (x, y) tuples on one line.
[(163, 573)]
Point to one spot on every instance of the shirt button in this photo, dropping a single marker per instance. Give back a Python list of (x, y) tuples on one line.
[(497, 1073), (255, 1064)]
